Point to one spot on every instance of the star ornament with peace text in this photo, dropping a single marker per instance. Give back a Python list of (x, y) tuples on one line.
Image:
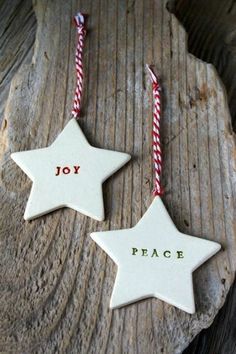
[(154, 259), (69, 173)]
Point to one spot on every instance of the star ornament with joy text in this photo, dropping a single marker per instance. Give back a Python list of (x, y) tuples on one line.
[(154, 259), (68, 173)]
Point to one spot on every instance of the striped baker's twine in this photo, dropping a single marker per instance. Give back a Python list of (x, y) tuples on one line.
[(80, 25), (157, 154)]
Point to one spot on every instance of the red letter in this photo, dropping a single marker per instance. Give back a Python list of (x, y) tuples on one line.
[(76, 169), (58, 168), (66, 170)]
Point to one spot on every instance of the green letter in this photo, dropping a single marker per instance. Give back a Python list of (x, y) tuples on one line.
[(165, 254), (134, 251), (154, 253), (144, 252), (180, 254)]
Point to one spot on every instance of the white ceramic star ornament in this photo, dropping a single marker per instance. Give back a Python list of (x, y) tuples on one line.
[(154, 259), (70, 172)]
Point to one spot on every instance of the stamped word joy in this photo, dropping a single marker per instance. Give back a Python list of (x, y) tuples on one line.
[(144, 252), (67, 170)]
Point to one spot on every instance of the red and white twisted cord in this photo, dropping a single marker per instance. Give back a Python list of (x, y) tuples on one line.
[(157, 153), (80, 25)]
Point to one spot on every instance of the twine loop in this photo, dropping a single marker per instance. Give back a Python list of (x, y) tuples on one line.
[(79, 20), (157, 153)]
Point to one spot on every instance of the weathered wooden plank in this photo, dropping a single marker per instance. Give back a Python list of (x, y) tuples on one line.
[(17, 35), (211, 27), (211, 36), (55, 283)]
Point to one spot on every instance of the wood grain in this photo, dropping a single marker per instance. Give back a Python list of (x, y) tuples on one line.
[(17, 36), (55, 283), (211, 28)]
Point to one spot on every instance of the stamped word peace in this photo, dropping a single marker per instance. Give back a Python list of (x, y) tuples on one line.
[(144, 252)]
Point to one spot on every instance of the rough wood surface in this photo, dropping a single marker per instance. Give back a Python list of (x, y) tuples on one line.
[(55, 283), (212, 38), (211, 28), (17, 35)]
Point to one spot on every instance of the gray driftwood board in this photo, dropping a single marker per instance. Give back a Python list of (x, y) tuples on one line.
[(55, 283)]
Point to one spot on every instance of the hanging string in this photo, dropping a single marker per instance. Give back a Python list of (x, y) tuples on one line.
[(80, 25), (157, 154)]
